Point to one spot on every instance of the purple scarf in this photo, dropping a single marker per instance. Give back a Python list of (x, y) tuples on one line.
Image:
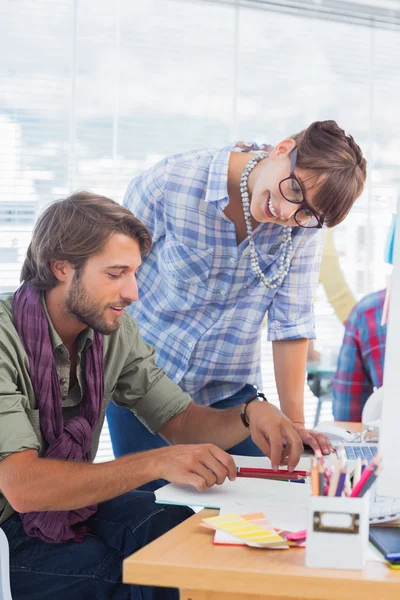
[(71, 440)]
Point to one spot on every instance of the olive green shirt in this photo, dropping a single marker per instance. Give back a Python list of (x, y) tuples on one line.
[(131, 379)]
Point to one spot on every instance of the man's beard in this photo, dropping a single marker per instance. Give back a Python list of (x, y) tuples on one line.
[(81, 307)]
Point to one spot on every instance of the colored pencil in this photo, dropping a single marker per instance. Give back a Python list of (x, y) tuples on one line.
[(321, 460), (369, 483), (357, 471), (334, 478), (364, 477), (321, 480), (314, 477), (341, 482)]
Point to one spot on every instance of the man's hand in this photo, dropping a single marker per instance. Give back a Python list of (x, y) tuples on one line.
[(312, 438), (275, 434), (201, 465)]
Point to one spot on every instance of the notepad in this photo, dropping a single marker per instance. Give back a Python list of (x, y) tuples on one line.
[(387, 541)]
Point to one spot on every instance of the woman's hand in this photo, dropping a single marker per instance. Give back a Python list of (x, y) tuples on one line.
[(275, 434), (312, 438)]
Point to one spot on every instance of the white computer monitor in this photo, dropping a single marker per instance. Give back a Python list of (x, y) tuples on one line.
[(389, 435)]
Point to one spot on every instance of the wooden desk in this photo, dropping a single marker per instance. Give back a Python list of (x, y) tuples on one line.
[(186, 558)]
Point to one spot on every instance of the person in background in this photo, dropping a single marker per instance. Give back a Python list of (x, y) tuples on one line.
[(67, 346), (331, 277), (361, 358), (362, 354), (236, 233), (337, 290)]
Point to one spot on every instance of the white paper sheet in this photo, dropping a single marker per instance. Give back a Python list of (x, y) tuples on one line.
[(241, 492), (374, 555)]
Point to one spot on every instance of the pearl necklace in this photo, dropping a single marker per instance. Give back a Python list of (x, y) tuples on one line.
[(286, 248)]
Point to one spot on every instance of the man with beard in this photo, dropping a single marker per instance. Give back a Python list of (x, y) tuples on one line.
[(67, 347)]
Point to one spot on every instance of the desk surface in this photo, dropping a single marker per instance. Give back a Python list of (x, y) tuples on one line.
[(186, 558)]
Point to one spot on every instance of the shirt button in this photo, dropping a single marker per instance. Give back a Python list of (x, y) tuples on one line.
[(222, 292), (232, 260), (214, 315), (62, 381), (190, 344), (275, 324)]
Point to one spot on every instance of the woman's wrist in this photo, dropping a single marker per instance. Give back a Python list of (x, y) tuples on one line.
[(246, 407)]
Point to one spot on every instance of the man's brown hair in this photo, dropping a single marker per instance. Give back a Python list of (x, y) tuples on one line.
[(336, 164), (74, 229)]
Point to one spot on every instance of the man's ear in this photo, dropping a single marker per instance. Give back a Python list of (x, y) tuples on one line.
[(61, 269), (283, 148)]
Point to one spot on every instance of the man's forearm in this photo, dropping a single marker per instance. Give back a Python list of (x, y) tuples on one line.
[(203, 424), (41, 484), (290, 360)]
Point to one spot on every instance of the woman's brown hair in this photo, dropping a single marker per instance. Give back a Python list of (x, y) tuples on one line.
[(335, 163), (74, 229)]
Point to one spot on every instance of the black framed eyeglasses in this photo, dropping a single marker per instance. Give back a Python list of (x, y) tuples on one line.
[(292, 190)]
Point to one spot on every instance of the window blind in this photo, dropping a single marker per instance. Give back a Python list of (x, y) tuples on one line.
[(369, 13)]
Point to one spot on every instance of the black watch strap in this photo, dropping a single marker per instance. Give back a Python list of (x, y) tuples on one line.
[(243, 414)]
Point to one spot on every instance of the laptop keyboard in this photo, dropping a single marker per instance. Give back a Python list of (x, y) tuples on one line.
[(384, 509), (362, 451)]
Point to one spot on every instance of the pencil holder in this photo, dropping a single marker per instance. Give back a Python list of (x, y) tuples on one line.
[(337, 533)]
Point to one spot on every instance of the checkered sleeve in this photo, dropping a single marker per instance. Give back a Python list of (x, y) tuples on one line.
[(351, 383), (145, 198), (291, 315)]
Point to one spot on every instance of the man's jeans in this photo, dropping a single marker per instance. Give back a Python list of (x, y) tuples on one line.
[(129, 435), (92, 569)]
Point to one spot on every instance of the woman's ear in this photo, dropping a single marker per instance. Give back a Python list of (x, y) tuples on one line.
[(283, 148)]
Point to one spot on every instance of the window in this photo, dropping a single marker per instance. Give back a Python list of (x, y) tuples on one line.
[(360, 283), (94, 91)]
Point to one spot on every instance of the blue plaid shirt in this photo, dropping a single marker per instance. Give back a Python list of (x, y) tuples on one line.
[(200, 303)]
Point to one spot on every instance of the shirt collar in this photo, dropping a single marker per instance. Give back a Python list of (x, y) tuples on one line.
[(217, 183), (85, 338)]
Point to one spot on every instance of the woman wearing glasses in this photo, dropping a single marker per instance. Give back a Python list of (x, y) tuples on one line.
[(236, 233)]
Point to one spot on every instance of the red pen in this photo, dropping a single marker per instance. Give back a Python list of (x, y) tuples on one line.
[(248, 470), (287, 477)]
